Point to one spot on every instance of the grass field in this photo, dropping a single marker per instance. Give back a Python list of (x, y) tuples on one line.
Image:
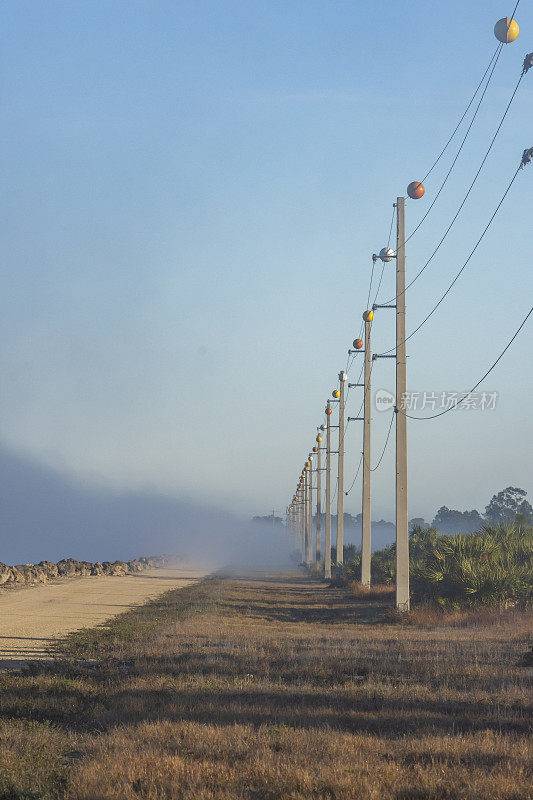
[(274, 688)]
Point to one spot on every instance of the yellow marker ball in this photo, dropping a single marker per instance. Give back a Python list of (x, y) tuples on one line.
[(319, 438), (368, 316), (336, 393), (506, 30)]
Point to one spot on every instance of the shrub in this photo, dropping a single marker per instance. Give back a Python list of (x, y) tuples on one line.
[(493, 566)]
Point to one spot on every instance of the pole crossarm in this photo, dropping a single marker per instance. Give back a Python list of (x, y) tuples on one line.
[(355, 419), (389, 355)]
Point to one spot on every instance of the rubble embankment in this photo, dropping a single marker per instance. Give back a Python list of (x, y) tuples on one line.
[(46, 571)]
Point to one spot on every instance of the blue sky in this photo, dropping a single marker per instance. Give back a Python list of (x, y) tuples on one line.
[(192, 194)]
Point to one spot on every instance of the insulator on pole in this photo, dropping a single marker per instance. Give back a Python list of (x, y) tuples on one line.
[(527, 157)]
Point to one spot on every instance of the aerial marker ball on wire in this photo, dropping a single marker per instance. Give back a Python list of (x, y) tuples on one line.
[(415, 190), (368, 316), (335, 393), (506, 30), (329, 411), (386, 254), (358, 343), (315, 449)]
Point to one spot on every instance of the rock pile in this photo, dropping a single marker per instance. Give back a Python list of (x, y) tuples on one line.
[(70, 568)]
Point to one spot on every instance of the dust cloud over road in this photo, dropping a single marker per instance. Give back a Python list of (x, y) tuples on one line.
[(44, 515)]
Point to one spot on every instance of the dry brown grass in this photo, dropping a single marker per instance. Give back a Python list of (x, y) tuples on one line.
[(431, 616), (381, 592), (275, 688)]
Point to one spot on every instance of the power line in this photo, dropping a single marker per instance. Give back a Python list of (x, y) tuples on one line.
[(350, 362), (370, 284), (370, 290), (498, 51), (428, 173), (448, 229), (490, 71), (356, 476), (512, 15), (373, 469), (388, 245), (391, 224), (487, 226), (487, 373)]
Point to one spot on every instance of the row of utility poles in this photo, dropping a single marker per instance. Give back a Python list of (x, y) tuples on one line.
[(300, 510)]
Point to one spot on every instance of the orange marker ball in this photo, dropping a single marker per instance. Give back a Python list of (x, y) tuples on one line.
[(358, 343), (415, 190)]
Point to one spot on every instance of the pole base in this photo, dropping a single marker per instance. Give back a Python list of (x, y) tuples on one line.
[(403, 608)]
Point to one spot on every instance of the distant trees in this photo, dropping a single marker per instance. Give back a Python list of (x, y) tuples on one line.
[(418, 522), (510, 505), (447, 520)]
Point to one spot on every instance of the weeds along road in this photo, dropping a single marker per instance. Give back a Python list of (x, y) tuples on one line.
[(33, 617)]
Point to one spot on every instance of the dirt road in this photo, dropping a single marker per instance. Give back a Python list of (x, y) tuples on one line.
[(33, 617)]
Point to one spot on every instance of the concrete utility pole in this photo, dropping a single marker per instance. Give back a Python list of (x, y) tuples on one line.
[(366, 525), (291, 524), (340, 486), (402, 524), (296, 520), (318, 554), (301, 517), (327, 543), (309, 553), (306, 516)]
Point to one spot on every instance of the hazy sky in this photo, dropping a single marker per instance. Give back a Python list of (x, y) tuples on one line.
[(192, 192)]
